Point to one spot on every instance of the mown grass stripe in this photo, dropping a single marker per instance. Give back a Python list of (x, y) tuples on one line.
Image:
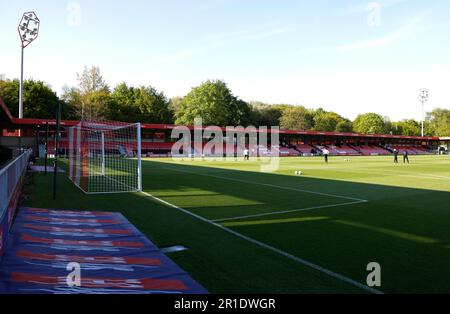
[(271, 221)]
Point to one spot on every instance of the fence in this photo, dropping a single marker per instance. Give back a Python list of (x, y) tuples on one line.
[(11, 181)]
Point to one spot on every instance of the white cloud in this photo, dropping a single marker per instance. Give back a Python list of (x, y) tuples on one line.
[(384, 40), (361, 8), (221, 40)]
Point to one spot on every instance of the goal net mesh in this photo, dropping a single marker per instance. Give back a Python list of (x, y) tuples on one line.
[(105, 157)]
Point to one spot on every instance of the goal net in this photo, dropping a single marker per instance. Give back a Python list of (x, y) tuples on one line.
[(105, 157)]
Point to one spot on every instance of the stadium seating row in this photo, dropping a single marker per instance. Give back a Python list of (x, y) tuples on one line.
[(164, 148)]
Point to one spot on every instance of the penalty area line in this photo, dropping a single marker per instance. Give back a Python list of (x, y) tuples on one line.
[(288, 211), (270, 248)]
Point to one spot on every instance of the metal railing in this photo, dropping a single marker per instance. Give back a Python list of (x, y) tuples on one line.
[(9, 178)]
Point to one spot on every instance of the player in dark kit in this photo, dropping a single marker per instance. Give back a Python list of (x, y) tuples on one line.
[(405, 156), (395, 156)]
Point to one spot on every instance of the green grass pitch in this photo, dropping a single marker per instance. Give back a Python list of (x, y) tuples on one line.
[(276, 232)]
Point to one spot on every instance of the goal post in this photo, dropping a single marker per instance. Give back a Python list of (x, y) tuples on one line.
[(102, 143), (105, 157)]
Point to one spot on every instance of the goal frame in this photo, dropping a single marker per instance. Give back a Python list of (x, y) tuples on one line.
[(78, 164)]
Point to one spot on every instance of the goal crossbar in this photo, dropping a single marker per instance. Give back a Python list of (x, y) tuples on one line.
[(105, 157)]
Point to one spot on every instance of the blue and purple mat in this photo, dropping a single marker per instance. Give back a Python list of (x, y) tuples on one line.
[(114, 256)]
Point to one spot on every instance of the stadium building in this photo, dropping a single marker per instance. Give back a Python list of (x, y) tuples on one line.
[(157, 141)]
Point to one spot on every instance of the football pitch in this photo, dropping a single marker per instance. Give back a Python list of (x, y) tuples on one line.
[(250, 231)]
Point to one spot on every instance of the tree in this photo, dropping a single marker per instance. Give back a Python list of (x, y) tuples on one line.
[(344, 126), (72, 102), (175, 104), (91, 80), (438, 122), (215, 104), (265, 114), (122, 105), (91, 98), (39, 100), (369, 123), (144, 104), (152, 106), (406, 127), (91, 105), (327, 122), (296, 118)]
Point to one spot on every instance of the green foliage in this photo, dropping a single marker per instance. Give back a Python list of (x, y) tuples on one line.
[(152, 106), (91, 105), (265, 114), (215, 104), (326, 121), (296, 118), (344, 126), (175, 104), (370, 123), (406, 127), (212, 100), (438, 122), (39, 100), (144, 104), (91, 98)]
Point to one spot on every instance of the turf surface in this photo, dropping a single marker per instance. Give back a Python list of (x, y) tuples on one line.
[(337, 217)]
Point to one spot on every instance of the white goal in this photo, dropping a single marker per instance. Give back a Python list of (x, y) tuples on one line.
[(105, 157)]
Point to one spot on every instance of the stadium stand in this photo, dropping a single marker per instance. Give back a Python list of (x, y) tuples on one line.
[(345, 150), (413, 150), (284, 151), (372, 150), (305, 149), (157, 142)]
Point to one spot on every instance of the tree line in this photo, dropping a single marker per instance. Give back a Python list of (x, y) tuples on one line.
[(212, 100)]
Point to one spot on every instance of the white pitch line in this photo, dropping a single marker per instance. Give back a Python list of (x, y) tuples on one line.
[(287, 211), (271, 248), (394, 173), (266, 184)]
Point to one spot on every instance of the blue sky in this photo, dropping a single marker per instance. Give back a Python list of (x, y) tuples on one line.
[(347, 56)]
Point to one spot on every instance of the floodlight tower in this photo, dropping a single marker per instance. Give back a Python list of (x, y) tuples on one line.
[(424, 94), (28, 31)]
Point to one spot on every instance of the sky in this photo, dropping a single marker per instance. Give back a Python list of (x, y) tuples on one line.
[(346, 56)]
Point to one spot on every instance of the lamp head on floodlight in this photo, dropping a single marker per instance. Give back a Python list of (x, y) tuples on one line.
[(28, 28), (424, 94)]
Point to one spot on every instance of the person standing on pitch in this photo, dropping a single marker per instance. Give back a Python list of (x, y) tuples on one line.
[(246, 154), (405, 157), (326, 152), (395, 156)]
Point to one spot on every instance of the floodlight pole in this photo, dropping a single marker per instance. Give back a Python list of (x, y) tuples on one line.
[(21, 86), (423, 116), (424, 94)]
